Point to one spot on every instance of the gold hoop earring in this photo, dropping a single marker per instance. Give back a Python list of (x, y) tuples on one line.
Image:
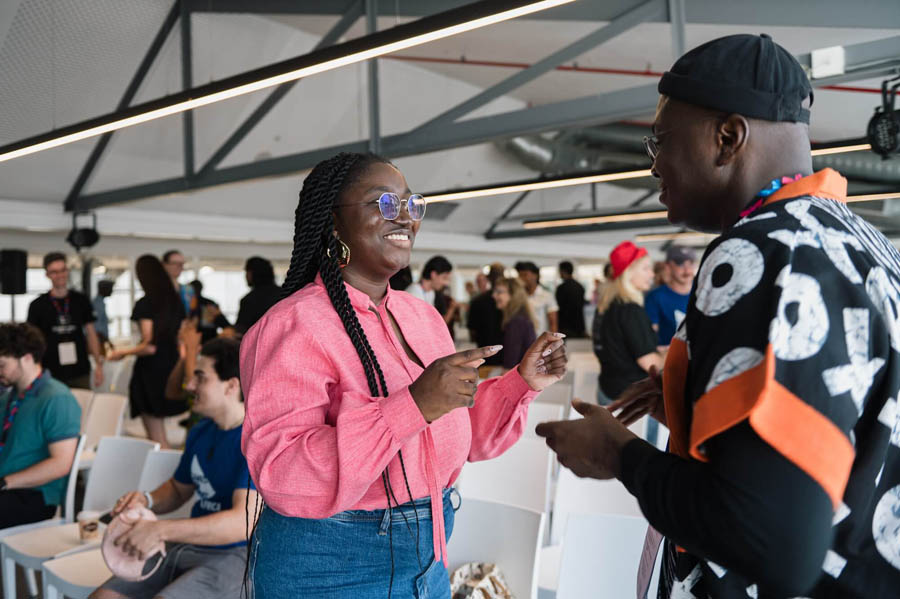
[(344, 259)]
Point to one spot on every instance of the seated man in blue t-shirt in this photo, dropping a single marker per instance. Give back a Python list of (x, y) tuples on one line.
[(667, 304), (205, 553), (38, 430)]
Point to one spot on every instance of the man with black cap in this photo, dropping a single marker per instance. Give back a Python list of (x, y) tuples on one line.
[(667, 304), (780, 387)]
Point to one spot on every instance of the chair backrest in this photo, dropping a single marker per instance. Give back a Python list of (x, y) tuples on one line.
[(105, 417), (116, 470), (83, 397), (158, 468), (521, 476), (541, 412), (69, 511), (600, 556), (121, 378), (587, 496), (558, 393), (506, 535)]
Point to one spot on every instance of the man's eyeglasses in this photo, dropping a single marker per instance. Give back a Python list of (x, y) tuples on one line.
[(390, 205), (651, 146)]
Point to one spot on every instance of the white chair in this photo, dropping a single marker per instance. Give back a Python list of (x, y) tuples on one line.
[(117, 469), (104, 420), (74, 576), (580, 496), (558, 393), (159, 467), (521, 476), (588, 496), (506, 535), (541, 412), (600, 556), (84, 398), (67, 515), (77, 575)]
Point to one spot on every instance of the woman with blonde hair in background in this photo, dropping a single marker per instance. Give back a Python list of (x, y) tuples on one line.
[(519, 320), (624, 340)]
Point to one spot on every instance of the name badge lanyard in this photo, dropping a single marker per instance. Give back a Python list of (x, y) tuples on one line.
[(62, 312), (12, 409)]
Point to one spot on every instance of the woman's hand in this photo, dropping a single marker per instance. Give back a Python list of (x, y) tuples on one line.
[(642, 397), (545, 361), (114, 356), (449, 382)]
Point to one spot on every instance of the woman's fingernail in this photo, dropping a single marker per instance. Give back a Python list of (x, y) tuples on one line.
[(539, 362), (547, 352), (496, 347), (541, 370), (560, 335)]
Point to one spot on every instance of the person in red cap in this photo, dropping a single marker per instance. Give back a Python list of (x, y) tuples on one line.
[(781, 385), (624, 340)]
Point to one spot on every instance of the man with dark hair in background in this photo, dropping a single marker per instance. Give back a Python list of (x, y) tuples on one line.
[(205, 553), (667, 304), (542, 301), (432, 287), (570, 299), (39, 431), (485, 319), (264, 293), (66, 319)]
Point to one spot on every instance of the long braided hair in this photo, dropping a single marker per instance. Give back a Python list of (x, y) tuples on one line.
[(316, 250)]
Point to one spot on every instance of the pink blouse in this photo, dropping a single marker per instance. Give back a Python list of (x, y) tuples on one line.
[(315, 439)]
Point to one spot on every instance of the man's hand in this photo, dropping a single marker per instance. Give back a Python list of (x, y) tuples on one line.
[(590, 446), (642, 397), (144, 538), (128, 501), (545, 361)]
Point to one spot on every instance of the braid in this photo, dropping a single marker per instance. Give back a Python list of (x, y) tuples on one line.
[(314, 237)]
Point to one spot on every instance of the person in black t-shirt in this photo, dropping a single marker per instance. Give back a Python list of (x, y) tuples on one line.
[(159, 315), (66, 318), (264, 293), (625, 342), (570, 299), (485, 319)]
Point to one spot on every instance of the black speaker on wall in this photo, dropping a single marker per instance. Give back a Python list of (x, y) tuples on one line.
[(13, 264)]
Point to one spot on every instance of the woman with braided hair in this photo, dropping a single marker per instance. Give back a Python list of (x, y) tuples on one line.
[(360, 415)]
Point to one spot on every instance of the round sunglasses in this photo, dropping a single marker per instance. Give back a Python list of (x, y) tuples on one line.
[(390, 205)]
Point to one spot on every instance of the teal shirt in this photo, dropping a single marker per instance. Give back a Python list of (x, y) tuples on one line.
[(48, 413)]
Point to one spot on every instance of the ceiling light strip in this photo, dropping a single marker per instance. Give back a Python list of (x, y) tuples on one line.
[(18, 149), (871, 197), (537, 185), (841, 149), (586, 180), (655, 214), (696, 235)]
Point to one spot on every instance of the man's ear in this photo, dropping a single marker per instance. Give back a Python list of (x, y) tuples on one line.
[(732, 135)]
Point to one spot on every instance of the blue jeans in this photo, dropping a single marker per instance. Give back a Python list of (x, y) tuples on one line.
[(349, 555)]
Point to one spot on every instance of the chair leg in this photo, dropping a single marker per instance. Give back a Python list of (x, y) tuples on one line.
[(31, 580), (9, 574), (49, 591)]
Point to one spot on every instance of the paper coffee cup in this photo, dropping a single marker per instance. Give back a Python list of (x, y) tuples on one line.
[(88, 526)]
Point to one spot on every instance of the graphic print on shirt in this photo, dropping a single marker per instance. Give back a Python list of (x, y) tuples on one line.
[(204, 488), (802, 333), (729, 273), (811, 290)]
